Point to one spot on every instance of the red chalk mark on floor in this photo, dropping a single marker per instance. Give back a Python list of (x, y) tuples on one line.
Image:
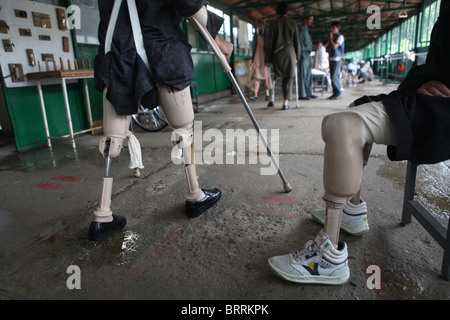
[(48, 186), (66, 178)]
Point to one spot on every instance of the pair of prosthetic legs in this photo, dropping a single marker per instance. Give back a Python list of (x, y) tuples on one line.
[(178, 110)]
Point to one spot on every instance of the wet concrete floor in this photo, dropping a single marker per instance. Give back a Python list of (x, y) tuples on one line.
[(48, 199)]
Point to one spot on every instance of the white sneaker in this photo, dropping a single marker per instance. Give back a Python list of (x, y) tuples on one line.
[(319, 262), (354, 218)]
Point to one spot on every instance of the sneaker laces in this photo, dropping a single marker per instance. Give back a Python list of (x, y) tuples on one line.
[(307, 249)]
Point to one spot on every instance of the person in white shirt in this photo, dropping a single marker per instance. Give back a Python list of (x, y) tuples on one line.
[(321, 61)]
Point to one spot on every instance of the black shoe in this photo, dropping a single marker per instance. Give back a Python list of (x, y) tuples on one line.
[(254, 98), (196, 208), (270, 104), (304, 98), (336, 97), (313, 96), (267, 98), (285, 107), (100, 231)]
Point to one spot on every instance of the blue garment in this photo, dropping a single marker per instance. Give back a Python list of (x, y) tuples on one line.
[(335, 72), (304, 65), (339, 51)]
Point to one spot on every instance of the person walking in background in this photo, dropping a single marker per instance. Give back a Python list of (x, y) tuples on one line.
[(306, 62), (335, 47), (282, 49), (260, 71)]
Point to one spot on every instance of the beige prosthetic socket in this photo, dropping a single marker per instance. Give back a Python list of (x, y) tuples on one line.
[(343, 134), (348, 137), (115, 130), (179, 113)]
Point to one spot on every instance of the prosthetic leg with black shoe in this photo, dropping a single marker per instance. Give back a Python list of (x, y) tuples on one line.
[(115, 131), (179, 113)]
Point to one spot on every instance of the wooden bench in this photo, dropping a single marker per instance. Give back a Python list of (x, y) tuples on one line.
[(431, 225)]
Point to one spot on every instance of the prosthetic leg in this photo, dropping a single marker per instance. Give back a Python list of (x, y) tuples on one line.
[(179, 113), (348, 140), (343, 134), (348, 136), (115, 130)]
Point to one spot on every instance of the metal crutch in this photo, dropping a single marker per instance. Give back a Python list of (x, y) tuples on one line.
[(296, 86), (207, 36)]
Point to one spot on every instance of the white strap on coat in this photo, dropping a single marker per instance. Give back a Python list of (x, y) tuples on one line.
[(112, 25), (137, 32), (135, 26)]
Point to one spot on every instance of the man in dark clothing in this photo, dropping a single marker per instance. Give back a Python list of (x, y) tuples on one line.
[(305, 64), (414, 123), (282, 49), (144, 58)]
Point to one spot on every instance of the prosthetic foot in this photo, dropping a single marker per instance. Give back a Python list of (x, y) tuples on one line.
[(179, 113)]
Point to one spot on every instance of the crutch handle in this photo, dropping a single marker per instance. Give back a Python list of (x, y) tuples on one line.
[(198, 21)]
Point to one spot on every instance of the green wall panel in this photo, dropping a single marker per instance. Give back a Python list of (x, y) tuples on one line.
[(204, 72), (26, 116), (86, 51), (208, 73)]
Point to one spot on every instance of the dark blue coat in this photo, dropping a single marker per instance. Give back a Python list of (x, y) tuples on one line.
[(123, 72)]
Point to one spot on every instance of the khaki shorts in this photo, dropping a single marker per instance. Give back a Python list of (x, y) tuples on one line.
[(378, 125)]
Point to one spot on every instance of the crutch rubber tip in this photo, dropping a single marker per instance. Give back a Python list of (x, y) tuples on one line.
[(287, 187)]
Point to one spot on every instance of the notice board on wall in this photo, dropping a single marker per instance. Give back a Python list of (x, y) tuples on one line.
[(32, 35)]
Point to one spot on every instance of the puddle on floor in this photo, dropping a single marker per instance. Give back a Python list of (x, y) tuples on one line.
[(432, 184), (46, 158), (61, 154), (399, 285)]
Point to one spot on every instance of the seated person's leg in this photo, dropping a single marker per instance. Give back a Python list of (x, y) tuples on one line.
[(347, 137)]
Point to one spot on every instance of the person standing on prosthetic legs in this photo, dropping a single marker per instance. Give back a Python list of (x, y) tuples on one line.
[(160, 75), (412, 121)]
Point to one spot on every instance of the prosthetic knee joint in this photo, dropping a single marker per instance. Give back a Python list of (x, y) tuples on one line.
[(178, 110)]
